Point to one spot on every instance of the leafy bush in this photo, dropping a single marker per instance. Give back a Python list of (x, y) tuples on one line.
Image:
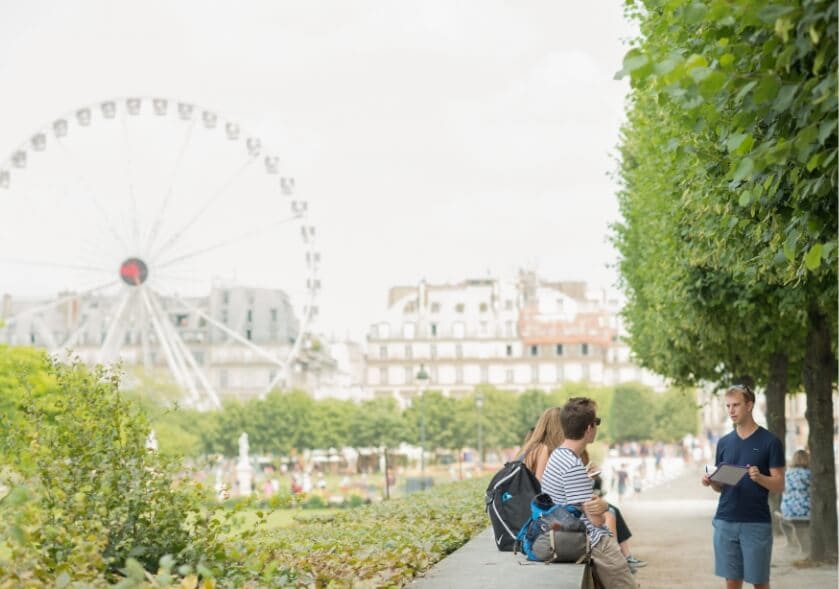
[(86, 494)]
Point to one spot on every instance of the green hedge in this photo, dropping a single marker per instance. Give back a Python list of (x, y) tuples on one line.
[(83, 504)]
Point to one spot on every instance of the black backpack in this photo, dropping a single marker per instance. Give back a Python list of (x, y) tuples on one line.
[(508, 500)]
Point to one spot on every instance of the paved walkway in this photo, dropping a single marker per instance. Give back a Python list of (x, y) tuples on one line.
[(671, 526)]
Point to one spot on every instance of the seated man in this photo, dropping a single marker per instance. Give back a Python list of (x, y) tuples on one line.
[(566, 481)]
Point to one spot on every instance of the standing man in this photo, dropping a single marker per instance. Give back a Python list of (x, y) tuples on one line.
[(743, 524), (566, 481)]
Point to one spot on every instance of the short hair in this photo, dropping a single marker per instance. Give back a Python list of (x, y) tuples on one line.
[(576, 415), (744, 389), (801, 459)]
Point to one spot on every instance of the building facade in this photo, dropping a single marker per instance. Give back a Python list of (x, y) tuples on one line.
[(527, 334)]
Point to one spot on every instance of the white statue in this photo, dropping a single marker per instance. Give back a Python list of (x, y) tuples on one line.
[(244, 472), (243, 447)]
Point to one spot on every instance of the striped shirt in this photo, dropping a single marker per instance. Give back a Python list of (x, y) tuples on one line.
[(566, 481)]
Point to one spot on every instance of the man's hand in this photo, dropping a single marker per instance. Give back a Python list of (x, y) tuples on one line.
[(774, 482), (594, 509), (707, 482)]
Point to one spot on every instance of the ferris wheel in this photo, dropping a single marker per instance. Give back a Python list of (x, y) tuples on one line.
[(161, 234)]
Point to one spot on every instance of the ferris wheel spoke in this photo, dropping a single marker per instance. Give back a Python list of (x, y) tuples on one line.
[(110, 344), (190, 359), (44, 264), (56, 303), (87, 187), (129, 173), (227, 242), (174, 365), (246, 342), (177, 235), (165, 205), (179, 350)]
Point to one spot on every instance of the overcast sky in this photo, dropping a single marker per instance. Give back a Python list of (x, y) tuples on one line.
[(434, 139)]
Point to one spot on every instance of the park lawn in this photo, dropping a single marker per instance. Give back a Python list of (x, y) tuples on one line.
[(280, 518)]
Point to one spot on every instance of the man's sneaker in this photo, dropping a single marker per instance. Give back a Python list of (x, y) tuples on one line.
[(635, 563)]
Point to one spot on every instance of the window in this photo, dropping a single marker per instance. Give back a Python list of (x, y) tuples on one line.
[(484, 328), (509, 350), (459, 330), (458, 350), (409, 375), (458, 308), (383, 352), (410, 307), (508, 305), (433, 330), (484, 373), (435, 307), (274, 315), (248, 334), (534, 373), (383, 375), (584, 349), (433, 350), (250, 315), (384, 330), (409, 330), (225, 297), (559, 349), (374, 331), (224, 316), (508, 376), (409, 352), (534, 350), (509, 329), (222, 378), (458, 376), (483, 307), (250, 298)]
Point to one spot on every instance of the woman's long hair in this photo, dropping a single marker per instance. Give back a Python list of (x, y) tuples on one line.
[(547, 432)]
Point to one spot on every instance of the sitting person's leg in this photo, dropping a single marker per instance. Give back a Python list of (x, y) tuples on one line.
[(622, 534), (610, 567)]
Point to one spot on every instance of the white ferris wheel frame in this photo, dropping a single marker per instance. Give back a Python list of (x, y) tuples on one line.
[(181, 363)]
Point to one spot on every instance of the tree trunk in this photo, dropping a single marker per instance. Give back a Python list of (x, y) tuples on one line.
[(776, 392), (818, 376)]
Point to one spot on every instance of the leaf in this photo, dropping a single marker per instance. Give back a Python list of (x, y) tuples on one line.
[(825, 129), (767, 89), (726, 59), (813, 258), (695, 12), (745, 90), (813, 162), (785, 97), (745, 198), (769, 14), (744, 169), (739, 143)]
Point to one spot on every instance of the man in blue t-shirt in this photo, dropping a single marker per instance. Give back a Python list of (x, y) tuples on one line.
[(742, 524)]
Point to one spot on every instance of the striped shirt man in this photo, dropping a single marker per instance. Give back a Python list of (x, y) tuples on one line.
[(566, 481)]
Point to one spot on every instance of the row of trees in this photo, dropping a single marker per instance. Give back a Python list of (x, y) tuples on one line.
[(729, 179), (284, 421)]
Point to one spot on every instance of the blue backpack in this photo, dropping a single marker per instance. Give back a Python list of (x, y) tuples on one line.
[(554, 533)]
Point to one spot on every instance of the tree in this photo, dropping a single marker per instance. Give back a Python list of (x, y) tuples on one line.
[(632, 414), (676, 415), (745, 95)]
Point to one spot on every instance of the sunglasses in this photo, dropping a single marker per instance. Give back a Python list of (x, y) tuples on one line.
[(597, 421)]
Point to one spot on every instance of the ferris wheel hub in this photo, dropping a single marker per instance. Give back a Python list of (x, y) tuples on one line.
[(133, 271)]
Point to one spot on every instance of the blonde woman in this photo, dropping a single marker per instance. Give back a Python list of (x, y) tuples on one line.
[(544, 439)]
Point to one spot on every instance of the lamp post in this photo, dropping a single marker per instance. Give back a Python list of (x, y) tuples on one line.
[(479, 402), (422, 378)]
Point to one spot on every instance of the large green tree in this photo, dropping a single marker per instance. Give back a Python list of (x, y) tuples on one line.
[(733, 114)]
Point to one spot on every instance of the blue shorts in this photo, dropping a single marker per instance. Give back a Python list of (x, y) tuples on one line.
[(742, 550)]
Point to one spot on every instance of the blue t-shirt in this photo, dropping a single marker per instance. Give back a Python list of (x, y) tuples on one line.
[(747, 501)]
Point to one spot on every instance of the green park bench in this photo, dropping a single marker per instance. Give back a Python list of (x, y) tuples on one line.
[(478, 565)]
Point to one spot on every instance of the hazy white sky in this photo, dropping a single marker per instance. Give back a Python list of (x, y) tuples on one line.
[(433, 139)]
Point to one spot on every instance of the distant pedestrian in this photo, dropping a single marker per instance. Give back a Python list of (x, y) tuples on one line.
[(743, 524)]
